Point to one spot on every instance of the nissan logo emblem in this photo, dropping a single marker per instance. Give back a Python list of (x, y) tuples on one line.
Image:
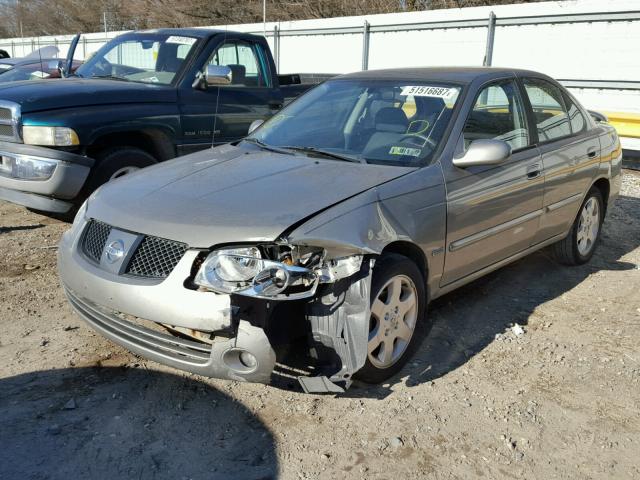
[(115, 251)]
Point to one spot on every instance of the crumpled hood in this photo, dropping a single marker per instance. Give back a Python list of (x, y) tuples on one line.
[(231, 195), (39, 95)]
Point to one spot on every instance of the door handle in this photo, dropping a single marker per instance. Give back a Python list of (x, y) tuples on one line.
[(592, 152), (534, 171)]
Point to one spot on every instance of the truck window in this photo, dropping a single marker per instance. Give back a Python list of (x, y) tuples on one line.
[(241, 58)]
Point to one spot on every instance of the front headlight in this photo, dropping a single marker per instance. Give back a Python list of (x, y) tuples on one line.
[(26, 168), (295, 274), (49, 136), (229, 270)]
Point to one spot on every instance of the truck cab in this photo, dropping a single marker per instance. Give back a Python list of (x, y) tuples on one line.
[(143, 98)]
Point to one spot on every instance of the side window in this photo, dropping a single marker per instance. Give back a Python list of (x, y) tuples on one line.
[(549, 110), (242, 60), (498, 113), (576, 119)]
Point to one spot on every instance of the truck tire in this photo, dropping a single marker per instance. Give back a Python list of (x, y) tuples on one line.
[(578, 247), (398, 317), (114, 163)]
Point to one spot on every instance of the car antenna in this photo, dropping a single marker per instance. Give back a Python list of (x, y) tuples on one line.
[(40, 56), (215, 114)]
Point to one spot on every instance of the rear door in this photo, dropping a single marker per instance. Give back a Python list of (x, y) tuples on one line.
[(570, 152), (223, 114), (493, 211)]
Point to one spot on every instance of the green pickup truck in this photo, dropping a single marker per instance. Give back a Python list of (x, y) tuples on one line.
[(144, 97)]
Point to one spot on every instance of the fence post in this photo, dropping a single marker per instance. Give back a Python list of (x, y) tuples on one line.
[(365, 46), (84, 48), (276, 47), (13, 49), (491, 31)]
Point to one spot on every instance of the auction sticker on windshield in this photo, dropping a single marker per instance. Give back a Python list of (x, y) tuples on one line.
[(427, 91), (181, 40), (412, 152)]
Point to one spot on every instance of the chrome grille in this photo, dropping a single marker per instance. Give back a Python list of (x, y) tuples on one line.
[(94, 239), (9, 121), (155, 257)]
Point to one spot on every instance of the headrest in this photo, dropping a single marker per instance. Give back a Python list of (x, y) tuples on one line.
[(238, 74), (389, 119)]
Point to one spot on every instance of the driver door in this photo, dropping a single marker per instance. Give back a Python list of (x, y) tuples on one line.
[(493, 211), (223, 114)]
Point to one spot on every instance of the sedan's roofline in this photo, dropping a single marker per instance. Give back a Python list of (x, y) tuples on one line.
[(458, 75)]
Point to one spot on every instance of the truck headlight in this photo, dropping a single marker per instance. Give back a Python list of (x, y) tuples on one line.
[(49, 136), (26, 168)]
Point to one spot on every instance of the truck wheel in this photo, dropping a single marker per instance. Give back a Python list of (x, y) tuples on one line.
[(398, 317), (578, 247), (117, 162)]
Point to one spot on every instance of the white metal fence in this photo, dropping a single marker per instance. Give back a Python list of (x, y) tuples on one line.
[(590, 45)]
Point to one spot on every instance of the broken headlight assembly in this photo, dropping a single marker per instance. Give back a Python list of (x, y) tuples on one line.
[(278, 272)]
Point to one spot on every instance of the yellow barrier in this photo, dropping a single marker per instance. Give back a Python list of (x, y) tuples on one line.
[(626, 124)]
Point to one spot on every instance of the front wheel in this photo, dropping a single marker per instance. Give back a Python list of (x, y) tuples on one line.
[(579, 246), (398, 317)]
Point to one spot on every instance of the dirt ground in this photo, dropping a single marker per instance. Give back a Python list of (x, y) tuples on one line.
[(560, 400)]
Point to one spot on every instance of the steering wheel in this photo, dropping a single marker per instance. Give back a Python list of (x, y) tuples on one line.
[(413, 136)]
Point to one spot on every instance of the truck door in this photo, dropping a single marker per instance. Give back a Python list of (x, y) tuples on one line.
[(493, 211), (223, 114)]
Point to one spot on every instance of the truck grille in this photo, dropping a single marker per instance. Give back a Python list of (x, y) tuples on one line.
[(153, 258), (94, 239), (9, 121)]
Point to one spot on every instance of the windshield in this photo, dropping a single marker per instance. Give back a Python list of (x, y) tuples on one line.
[(383, 122), (140, 57)]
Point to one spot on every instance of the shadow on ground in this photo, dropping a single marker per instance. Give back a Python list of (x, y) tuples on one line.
[(470, 318), (107, 423)]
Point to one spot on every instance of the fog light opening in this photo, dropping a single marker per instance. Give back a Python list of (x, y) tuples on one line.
[(239, 360)]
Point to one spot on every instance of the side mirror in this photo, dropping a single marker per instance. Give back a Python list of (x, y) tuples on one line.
[(598, 117), (484, 152), (254, 125), (216, 75)]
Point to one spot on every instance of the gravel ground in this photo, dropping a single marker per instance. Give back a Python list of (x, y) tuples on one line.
[(555, 396)]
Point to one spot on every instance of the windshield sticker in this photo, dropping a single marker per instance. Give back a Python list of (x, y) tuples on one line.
[(426, 91), (181, 40), (411, 152)]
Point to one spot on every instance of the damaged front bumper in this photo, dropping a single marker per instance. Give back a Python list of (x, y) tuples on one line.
[(207, 333), (41, 178)]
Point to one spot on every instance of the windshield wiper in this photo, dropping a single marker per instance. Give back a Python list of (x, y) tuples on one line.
[(266, 146), (325, 153), (109, 77)]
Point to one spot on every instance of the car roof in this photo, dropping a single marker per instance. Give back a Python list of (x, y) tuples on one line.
[(459, 75), (26, 61), (187, 32)]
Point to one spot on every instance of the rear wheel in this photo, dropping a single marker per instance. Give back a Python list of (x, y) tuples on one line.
[(579, 246), (398, 320)]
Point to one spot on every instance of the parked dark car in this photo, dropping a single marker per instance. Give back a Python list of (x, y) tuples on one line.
[(144, 97), (332, 226)]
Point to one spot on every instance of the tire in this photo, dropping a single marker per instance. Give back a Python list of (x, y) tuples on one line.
[(579, 246), (394, 273), (116, 162)]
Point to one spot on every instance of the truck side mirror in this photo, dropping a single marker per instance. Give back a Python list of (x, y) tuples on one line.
[(255, 124), (216, 75), (487, 151)]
